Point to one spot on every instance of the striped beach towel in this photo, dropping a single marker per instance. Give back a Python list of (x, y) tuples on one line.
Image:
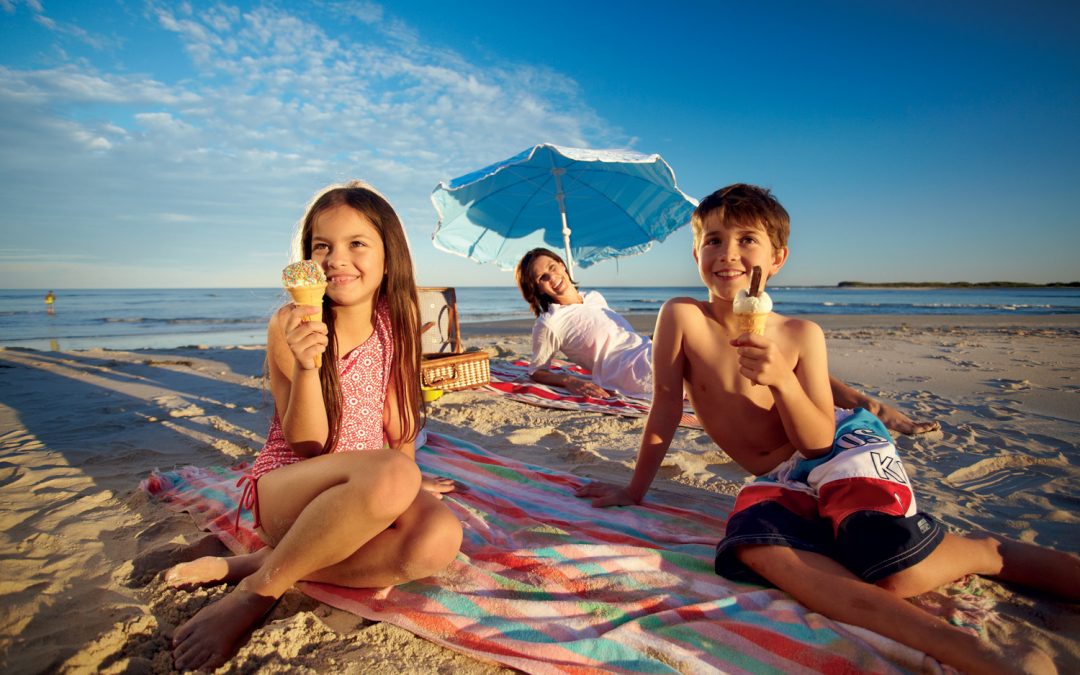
[(547, 584), (511, 379)]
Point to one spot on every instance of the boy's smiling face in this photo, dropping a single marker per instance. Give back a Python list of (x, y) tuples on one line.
[(726, 255)]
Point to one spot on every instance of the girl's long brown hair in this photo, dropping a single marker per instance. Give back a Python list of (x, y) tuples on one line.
[(399, 289)]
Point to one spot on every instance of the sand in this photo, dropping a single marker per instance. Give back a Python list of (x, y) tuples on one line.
[(83, 547)]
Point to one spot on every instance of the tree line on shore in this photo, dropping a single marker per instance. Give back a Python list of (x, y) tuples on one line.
[(955, 284)]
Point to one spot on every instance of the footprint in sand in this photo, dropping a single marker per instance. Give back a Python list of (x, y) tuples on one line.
[(1003, 476), (996, 412), (528, 436), (1010, 385), (188, 411), (175, 406)]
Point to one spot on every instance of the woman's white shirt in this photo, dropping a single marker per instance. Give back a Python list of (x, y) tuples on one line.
[(597, 338)]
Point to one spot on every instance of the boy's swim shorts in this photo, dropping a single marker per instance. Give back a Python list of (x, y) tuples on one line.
[(854, 505)]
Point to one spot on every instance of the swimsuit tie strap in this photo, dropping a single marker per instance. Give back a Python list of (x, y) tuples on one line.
[(248, 500)]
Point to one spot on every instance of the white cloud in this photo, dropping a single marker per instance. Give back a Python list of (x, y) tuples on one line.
[(177, 218), (275, 107), (19, 256), (73, 84), (367, 12)]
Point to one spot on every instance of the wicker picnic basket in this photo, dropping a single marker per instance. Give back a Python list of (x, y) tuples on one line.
[(444, 365)]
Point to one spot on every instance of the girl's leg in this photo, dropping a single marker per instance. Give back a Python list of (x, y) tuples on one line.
[(422, 541), (826, 587), (994, 556), (317, 513)]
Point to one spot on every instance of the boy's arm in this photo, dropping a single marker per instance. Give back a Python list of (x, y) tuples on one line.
[(807, 409), (669, 363), (803, 395)]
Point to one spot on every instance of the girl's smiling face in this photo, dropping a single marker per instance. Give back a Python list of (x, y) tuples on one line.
[(350, 249)]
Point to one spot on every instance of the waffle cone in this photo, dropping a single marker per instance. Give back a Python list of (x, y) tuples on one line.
[(753, 323), (309, 296)]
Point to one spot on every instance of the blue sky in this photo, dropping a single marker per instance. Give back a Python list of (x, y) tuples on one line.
[(166, 144)]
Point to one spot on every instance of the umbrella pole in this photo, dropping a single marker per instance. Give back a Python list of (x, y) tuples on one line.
[(566, 246), (561, 198)]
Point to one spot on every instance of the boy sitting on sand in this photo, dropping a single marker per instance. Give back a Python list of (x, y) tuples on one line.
[(831, 518)]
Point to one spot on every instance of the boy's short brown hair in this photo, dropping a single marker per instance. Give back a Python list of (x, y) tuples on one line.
[(742, 204)]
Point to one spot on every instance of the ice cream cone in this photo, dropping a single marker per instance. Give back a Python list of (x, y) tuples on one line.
[(753, 323), (309, 296)]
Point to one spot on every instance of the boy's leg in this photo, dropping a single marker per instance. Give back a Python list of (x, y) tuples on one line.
[(990, 555), (826, 587)]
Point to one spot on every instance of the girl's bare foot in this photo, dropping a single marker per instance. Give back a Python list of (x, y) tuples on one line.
[(217, 631), (215, 569), (199, 572)]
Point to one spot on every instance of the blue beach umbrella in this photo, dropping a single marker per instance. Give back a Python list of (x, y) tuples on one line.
[(594, 204)]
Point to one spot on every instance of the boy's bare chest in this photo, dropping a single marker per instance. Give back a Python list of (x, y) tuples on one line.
[(741, 417), (714, 366)]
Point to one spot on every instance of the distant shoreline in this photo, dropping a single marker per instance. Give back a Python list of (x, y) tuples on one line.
[(953, 284), (644, 322)]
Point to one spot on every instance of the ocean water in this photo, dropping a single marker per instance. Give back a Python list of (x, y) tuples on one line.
[(169, 318)]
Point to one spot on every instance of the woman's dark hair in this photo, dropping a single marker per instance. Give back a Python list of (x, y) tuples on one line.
[(530, 290)]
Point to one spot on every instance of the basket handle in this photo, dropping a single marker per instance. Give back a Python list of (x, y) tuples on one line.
[(452, 376)]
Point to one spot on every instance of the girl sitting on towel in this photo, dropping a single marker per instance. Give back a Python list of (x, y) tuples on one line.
[(331, 501)]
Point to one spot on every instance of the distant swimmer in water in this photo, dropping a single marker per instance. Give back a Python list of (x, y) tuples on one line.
[(50, 300)]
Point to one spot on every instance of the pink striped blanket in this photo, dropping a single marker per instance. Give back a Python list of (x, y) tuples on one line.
[(511, 379), (547, 584)]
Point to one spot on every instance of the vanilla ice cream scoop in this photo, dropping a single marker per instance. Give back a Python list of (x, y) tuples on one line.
[(752, 306), (747, 304)]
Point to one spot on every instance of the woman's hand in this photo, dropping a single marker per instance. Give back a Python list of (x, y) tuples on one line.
[(604, 494), (437, 486), (582, 387), (308, 338)]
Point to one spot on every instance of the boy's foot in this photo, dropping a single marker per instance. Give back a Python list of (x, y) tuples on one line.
[(1023, 659), (217, 631), (1035, 660), (214, 569), (898, 421)]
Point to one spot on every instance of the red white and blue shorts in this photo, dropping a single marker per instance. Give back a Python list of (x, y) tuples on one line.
[(854, 505)]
